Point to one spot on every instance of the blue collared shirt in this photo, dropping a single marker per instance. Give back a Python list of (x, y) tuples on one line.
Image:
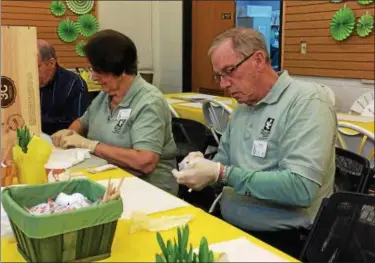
[(63, 100)]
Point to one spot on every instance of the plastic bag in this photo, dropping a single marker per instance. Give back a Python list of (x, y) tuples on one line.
[(140, 221), (31, 164)]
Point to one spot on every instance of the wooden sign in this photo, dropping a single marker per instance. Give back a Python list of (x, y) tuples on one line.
[(20, 103)]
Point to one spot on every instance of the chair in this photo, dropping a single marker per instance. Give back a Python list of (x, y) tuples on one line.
[(216, 115), (189, 136), (360, 104), (343, 230), (192, 136), (352, 172), (360, 135)]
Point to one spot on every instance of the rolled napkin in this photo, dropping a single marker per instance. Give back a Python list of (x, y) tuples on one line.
[(140, 221)]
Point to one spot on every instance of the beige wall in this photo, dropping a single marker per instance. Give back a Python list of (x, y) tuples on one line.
[(156, 29)]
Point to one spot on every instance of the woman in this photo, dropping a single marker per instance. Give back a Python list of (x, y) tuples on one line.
[(129, 122)]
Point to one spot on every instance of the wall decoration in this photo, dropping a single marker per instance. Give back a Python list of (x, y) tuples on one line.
[(67, 30), (87, 25), (365, 25), (342, 23), (79, 48), (58, 8), (365, 2), (80, 7)]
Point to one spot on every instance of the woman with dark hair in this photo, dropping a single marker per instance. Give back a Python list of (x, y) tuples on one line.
[(129, 122)]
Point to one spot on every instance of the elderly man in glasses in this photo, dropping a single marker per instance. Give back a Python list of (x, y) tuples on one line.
[(276, 158)]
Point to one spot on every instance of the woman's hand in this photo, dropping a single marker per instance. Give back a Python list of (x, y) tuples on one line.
[(57, 136), (77, 141)]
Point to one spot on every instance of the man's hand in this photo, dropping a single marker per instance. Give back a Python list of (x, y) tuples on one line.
[(201, 173), (185, 163), (57, 136), (77, 141)]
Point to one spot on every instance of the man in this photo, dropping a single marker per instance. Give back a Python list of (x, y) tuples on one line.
[(63, 94), (277, 155)]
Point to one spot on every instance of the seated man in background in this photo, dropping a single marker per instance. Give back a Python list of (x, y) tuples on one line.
[(277, 155), (63, 94), (129, 122)]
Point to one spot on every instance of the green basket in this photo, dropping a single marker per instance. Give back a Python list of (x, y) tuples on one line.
[(85, 234)]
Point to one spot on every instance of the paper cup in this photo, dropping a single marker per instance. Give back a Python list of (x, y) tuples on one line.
[(53, 169)]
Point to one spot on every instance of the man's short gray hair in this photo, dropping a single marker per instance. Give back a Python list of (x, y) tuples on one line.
[(47, 52), (244, 41)]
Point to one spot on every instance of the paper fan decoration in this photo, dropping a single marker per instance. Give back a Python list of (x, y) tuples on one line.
[(87, 25), (79, 48), (80, 7), (365, 2), (58, 8), (67, 30), (365, 25), (342, 23)]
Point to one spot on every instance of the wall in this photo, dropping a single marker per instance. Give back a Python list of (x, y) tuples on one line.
[(156, 29), (37, 13), (310, 21)]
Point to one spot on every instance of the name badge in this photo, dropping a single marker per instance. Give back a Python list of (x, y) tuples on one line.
[(259, 148), (124, 114)]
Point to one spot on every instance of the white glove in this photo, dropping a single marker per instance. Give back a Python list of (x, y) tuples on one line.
[(201, 173), (57, 136), (185, 163)]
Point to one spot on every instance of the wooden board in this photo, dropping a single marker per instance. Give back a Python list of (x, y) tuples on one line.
[(20, 103), (37, 13), (309, 21)]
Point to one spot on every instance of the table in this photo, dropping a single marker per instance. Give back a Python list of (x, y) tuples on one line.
[(131, 248), (192, 111), (195, 113)]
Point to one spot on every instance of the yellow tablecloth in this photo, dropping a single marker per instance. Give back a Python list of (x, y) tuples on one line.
[(192, 113), (142, 246)]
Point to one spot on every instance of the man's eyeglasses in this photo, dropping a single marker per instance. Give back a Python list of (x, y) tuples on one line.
[(229, 70)]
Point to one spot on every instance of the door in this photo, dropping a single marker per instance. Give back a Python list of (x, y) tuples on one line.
[(209, 19)]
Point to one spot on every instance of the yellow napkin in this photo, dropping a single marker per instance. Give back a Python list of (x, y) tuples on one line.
[(30, 165), (140, 221)]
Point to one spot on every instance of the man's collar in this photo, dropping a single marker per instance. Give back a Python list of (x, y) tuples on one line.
[(278, 88)]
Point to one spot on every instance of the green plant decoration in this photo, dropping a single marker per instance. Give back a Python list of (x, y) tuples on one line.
[(178, 250), (57, 8), (365, 25), (87, 25), (365, 2), (79, 48), (67, 30), (80, 7), (336, 1), (342, 23), (24, 137)]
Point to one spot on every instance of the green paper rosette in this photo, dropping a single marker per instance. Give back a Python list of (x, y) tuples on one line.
[(79, 48), (365, 25), (80, 7), (365, 2), (67, 31), (342, 23), (87, 25), (57, 8)]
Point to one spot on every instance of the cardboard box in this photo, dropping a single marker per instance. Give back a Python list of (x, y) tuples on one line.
[(20, 102)]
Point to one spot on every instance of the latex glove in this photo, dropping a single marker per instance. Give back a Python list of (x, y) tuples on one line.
[(201, 173), (184, 164), (77, 141), (57, 136)]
